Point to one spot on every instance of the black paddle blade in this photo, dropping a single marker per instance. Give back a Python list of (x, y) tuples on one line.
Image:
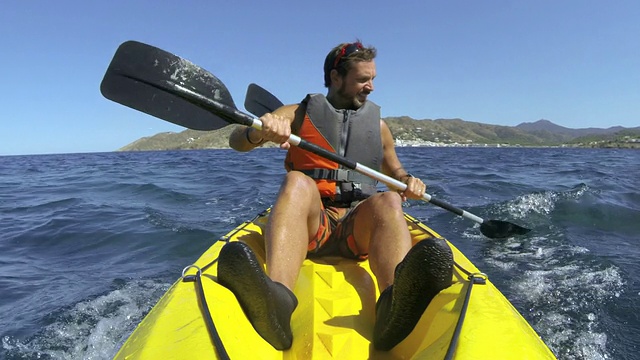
[(143, 77), (259, 101), (498, 229)]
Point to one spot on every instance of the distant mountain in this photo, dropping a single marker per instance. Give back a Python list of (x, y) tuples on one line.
[(549, 127), (438, 132), (452, 131)]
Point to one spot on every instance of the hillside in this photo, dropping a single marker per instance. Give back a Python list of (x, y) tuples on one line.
[(627, 138), (439, 132), (185, 140), (452, 131), (543, 126)]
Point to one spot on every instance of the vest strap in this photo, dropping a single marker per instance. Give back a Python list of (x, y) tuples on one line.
[(338, 175)]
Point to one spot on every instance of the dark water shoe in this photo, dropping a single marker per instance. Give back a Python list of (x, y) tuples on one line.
[(267, 304), (424, 272)]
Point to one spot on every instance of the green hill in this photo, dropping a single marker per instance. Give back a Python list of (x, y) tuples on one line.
[(628, 138), (185, 140), (439, 132)]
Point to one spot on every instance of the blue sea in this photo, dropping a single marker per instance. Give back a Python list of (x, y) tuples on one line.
[(89, 242)]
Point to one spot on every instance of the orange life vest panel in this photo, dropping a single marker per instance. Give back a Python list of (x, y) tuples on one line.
[(354, 134)]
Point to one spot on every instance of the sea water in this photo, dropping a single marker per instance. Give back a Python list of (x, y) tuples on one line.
[(89, 242)]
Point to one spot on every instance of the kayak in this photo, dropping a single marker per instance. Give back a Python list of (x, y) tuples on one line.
[(198, 318)]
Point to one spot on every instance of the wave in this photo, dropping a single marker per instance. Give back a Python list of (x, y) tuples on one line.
[(90, 329), (553, 272)]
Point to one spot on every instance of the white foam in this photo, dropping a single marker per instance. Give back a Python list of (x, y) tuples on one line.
[(541, 203), (92, 329)]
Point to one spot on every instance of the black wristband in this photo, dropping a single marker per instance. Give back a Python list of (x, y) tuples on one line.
[(407, 177)]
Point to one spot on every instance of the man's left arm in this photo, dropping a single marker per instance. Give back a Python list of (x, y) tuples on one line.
[(392, 166)]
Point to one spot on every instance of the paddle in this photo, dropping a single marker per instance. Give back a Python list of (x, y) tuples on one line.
[(166, 86), (259, 101)]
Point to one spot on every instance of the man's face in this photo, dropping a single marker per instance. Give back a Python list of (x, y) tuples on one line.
[(357, 84)]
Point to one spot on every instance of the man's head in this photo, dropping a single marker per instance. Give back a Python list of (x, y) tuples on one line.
[(349, 70), (342, 57)]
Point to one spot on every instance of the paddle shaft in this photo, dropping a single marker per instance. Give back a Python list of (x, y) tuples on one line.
[(233, 115)]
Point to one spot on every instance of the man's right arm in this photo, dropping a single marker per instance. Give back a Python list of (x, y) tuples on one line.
[(244, 138), (276, 127)]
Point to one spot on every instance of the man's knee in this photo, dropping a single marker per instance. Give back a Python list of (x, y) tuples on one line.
[(300, 182), (388, 200)]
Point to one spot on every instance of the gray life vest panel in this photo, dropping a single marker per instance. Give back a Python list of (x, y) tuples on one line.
[(354, 134)]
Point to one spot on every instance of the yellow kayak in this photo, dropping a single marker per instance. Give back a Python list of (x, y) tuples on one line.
[(198, 318)]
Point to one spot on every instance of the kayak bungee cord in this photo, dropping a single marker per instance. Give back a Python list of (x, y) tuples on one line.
[(204, 308), (474, 278), (213, 332)]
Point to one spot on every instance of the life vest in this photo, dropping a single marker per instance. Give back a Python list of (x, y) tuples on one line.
[(354, 134)]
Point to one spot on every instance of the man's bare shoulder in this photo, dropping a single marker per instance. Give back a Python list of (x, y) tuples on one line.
[(287, 111), (291, 112), (384, 126)]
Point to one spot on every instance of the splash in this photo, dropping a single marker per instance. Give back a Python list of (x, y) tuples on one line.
[(92, 329), (542, 203), (564, 289)]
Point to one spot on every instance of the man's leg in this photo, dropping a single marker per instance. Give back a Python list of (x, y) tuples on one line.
[(293, 221), (381, 231), (269, 302), (408, 277)]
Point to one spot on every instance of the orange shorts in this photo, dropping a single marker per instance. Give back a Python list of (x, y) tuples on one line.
[(335, 234)]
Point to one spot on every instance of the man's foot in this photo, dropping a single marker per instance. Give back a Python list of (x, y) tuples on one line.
[(424, 272), (267, 304)]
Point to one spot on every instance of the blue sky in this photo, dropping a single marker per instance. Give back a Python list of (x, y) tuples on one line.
[(576, 63)]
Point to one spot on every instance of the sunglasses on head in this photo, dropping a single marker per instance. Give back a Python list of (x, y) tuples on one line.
[(345, 51)]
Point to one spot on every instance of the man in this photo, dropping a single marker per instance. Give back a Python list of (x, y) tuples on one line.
[(324, 210)]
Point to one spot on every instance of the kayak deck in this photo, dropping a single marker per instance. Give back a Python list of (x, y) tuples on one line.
[(335, 316)]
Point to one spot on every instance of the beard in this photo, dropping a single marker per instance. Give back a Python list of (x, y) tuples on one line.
[(352, 101)]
